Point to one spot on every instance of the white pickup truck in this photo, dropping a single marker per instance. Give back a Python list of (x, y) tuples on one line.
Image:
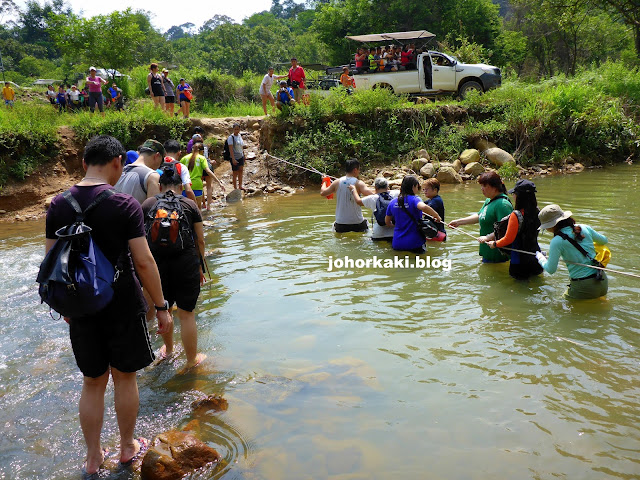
[(434, 73)]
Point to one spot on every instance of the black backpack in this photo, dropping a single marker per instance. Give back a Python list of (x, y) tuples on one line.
[(75, 277), (384, 199), (168, 230), (226, 151), (500, 228)]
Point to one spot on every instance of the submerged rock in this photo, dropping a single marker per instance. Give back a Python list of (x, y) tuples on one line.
[(212, 402), (234, 196), (174, 454)]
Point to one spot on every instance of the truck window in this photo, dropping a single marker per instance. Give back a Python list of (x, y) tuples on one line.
[(441, 61)]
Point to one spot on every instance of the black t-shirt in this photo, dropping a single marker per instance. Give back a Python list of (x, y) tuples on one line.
[(115, 221)]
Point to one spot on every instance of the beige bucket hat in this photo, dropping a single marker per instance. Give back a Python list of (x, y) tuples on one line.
[(550, 215)]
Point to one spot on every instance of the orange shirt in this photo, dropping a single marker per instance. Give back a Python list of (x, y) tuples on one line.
[(512, 231)]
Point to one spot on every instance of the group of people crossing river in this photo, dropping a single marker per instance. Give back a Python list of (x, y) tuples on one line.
[(150, 230), (399, 216)]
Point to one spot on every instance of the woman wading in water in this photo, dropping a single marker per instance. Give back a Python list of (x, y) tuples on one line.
[(573, 243)]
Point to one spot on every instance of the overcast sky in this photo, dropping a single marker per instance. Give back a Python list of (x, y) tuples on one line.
[(168, 13)]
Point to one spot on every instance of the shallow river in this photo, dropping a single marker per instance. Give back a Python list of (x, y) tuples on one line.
[(360, 373)]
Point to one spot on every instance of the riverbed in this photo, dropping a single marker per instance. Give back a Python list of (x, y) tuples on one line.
[(360, 373)]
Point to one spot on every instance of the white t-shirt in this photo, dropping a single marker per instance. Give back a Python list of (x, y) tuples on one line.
[(265, 86), (74, 96), (378, 230), (237, 149)]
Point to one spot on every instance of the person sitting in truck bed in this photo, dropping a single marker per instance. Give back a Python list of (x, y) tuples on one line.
[(360, 58), (405, 57), (390, 60), (412, 57), (373, 64)]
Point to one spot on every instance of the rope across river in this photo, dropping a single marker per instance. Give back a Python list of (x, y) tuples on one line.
[(312, 170), (619, 272)]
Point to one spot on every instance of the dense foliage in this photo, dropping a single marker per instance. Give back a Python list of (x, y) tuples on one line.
[(591, 118)]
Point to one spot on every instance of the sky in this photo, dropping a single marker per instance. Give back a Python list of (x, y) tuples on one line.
[(167, 13)]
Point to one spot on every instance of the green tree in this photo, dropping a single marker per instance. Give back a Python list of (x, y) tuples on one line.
[(117, 41)]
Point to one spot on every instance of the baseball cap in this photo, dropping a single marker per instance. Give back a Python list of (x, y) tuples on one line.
[(523, 185), (92, 68), (152, 146)]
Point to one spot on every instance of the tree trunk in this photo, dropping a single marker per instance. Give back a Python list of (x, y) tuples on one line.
[(636, 31)]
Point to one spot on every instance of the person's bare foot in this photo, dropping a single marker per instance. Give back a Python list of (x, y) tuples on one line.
[(197, 361), (132, 452), (163, 354), (91, 466)]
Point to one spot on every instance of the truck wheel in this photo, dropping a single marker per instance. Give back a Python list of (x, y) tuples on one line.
[(470, 86)]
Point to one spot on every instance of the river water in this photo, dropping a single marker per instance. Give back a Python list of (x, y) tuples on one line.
[(360, 373)]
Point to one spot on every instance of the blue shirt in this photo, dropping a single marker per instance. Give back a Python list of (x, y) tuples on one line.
[(561, 248), (62, 98), (406, 235), (283, 96)]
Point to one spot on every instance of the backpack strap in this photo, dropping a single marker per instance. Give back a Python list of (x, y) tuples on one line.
[(413, 219), (577, 245), (80, 214), (141, 178)]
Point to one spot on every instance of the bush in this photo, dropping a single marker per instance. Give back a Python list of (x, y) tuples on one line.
[(27, 138)]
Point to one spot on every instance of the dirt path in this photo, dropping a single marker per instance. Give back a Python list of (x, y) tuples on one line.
[(29, 199)]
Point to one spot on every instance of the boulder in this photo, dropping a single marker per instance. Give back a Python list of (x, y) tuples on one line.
[(234, 196), (173, 455), (474, 169), (427, 170), (395, 183), (47, 202), (418, 163), (442, 165), (288, 189), (498, 157), (483, 144), (256, 126), (422, 153), (469, 155), (577, 167), (387, 174), (457, 165), (448, 175)]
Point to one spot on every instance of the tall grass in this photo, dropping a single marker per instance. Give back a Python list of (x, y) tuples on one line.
[(232, 108), (28, 137), (131, 127)]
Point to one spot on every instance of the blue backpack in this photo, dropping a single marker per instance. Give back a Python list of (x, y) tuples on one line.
[(384, 199), (75, 277)]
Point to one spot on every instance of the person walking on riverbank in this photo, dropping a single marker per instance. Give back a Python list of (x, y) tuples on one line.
[(185, 94), (156, 86), (8, 94), (495, 207), (574, 244), (236, 147), (349, 216), (180, 266), (113, 342), (265, 90), (170, 93), (296, 80), (94, 84)]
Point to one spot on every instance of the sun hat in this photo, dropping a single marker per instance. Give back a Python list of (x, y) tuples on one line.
[(523, 185), (152, 146), (550, 215), (165, 70)]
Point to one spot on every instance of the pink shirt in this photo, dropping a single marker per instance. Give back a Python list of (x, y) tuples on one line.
[(95, 83)]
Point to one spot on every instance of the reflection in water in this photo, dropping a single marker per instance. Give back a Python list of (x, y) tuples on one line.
[(360, 372)]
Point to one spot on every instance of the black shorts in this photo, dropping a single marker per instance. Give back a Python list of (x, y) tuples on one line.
[(350, 227), (205, 174), (185, 100), (170, 99), (180, 276), (239, 163), (117, 336), (157, 91)]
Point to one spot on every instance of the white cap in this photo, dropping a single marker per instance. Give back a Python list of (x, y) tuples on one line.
[(92, 68)]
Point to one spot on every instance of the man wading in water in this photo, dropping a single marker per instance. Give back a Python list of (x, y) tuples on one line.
[(348, 213), (115, 341)]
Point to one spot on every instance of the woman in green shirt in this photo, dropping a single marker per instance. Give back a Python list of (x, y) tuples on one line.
[(197, 164), (496, 207)]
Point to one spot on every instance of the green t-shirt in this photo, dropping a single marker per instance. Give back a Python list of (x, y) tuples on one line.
[(491, 212), (196, 173)]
